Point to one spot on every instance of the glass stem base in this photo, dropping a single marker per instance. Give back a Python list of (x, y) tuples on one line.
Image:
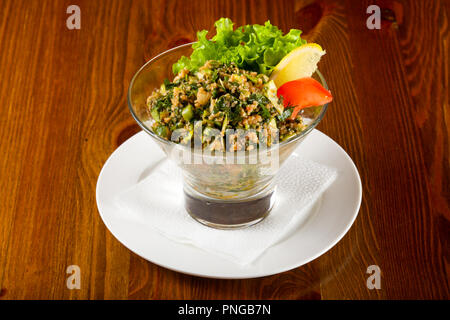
[(228, 214)]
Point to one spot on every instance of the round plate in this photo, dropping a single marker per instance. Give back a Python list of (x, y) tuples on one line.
[(329, 222)]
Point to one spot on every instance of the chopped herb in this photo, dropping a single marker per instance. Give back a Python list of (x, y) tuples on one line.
[(285, 115), (265, 113)]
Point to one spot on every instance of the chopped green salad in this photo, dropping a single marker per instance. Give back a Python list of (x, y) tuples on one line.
[(219, 96), (222, 97)]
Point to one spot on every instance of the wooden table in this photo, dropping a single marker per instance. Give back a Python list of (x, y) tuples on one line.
[(64, 111)]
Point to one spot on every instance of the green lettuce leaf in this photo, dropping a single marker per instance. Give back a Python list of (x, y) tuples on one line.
[(252, 47)]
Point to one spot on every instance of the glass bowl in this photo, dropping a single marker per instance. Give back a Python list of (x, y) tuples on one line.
[(223, 190)]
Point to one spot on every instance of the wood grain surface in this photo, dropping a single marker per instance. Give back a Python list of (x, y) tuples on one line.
[(63, 112)]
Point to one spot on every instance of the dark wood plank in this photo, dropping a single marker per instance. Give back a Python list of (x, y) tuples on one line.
[(400, 204)]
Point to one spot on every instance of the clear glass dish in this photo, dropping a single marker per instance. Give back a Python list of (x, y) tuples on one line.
[(223, 189)]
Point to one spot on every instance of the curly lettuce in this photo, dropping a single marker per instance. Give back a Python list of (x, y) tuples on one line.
[(252, 47)]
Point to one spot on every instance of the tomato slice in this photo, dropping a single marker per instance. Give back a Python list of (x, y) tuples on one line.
[(303, 93)]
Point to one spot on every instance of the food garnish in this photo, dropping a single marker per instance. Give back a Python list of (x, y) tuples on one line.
[(303, 93), (251, 47)]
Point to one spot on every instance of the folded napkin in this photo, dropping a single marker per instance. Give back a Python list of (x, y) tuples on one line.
[(157, 201)]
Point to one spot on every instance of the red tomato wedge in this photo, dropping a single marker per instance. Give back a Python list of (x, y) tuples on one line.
[(303, 93)]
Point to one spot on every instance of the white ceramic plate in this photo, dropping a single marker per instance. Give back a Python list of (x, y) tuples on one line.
[(329, 222)]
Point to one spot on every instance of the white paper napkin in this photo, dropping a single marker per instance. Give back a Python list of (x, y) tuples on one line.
[(157, 201)]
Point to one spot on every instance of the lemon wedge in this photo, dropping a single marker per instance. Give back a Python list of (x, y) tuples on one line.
[(299, 63)]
